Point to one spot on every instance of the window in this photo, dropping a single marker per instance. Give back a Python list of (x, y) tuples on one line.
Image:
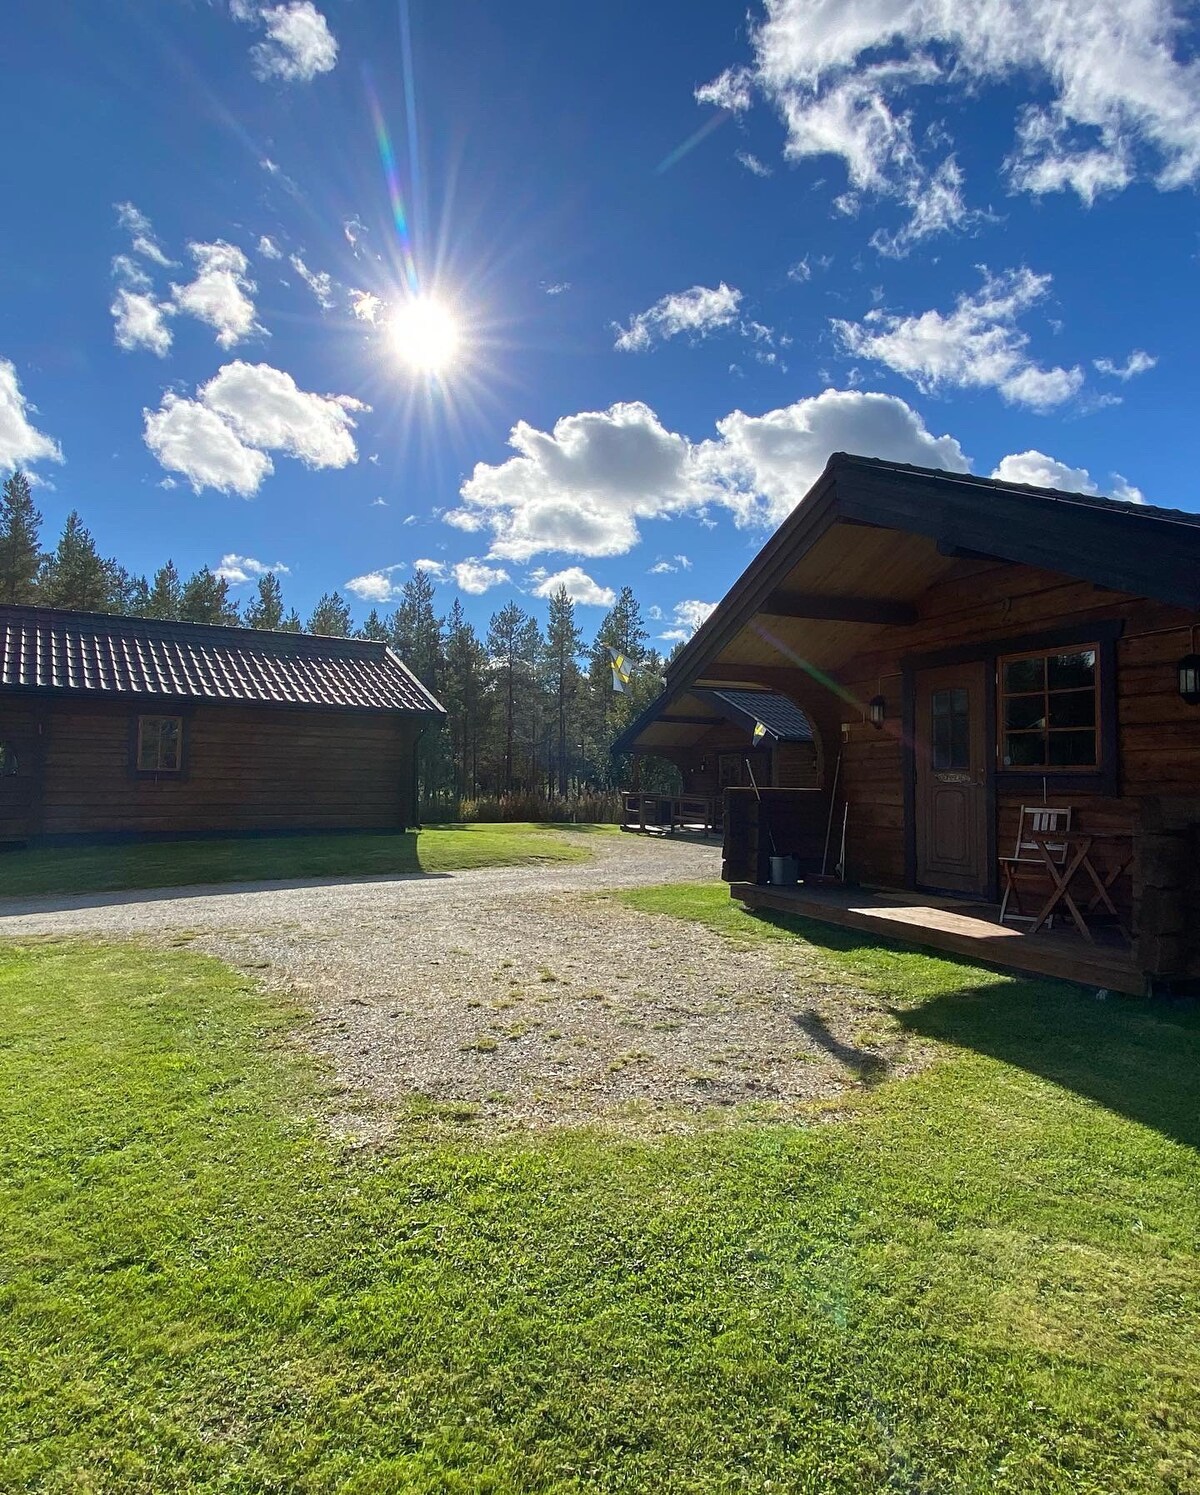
[(951, 728), (8, 760), (1048, 710), (160, 744)]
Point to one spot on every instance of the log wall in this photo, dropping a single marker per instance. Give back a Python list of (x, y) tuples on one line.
[(245, 769)]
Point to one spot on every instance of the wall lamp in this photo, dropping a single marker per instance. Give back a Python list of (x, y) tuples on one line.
[(1189, 678), (877, 710)]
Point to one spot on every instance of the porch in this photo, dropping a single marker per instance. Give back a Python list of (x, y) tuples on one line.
[(956, 927)]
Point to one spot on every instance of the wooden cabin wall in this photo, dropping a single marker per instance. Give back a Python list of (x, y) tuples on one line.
[(794, 766), (245, 768), (1158, 734)]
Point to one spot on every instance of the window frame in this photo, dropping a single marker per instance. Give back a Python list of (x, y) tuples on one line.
[(136, 741), (1057, 770)]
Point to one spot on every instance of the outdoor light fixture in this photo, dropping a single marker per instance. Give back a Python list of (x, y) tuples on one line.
[(1189, 678), (877, 710)]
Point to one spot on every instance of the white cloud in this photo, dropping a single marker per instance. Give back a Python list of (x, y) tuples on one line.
[(582, 488), (268, 248), (763, 465), (220, 293), (20, 440), (139, 321), (800, 271), (436, 569), (1121, 80), (691, 614), (376, 586), (697, 312), (220, 439), (379, 503), (141, 233), (580, 586), (189, 439), (733, 91), (237, 570), (752, 164), (366, 306), (127, 272), (1138, 362), (558, 288), (319, 282), (666, 566), (977, 345), (475, 577), (298, 46), (267, 409), (1041, 471)]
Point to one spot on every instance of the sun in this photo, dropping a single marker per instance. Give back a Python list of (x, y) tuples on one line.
[(426, 335)]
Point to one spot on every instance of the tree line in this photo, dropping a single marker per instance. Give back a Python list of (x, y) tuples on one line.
[(531, 712)]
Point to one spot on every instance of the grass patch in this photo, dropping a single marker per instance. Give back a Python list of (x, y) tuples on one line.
[(165, 864), (981, 1280)]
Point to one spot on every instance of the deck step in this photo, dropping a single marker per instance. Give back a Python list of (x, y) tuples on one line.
[(958, 930)]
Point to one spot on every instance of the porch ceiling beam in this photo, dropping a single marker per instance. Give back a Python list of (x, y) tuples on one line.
[(688, 721), (839, 609)]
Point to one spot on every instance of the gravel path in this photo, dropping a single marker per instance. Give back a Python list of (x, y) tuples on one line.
[(511, 997)]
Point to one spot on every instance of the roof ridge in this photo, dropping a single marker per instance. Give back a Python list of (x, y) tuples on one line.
[(1103, 502), (134, 623)]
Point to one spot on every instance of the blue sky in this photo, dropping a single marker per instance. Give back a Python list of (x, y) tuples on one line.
[(684, 252)]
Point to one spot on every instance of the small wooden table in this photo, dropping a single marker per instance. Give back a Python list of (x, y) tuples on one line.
[(1079, 859)]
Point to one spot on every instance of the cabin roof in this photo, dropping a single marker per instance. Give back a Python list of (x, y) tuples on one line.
[(676, 720), (57, 652), (782, 718), (871, 535)]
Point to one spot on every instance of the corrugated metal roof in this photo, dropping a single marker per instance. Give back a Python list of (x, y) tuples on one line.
[(54, 651), (782, 718)]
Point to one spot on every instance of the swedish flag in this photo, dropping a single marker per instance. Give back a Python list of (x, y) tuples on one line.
[(622, 671), (760, 731)]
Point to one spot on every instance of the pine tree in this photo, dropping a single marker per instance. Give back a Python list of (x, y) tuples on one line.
[(291, 624), (205, 599), (564, 644), (330, 617), (74, 575), (20, 541), (512, 644), (462, 694), (266, 610), (375, 629), (415, 629), (165, 599)]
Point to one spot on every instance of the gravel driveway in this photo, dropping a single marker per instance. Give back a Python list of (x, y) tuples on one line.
[(516, 996)]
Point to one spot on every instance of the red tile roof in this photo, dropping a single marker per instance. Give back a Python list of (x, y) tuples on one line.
[(52, 651)]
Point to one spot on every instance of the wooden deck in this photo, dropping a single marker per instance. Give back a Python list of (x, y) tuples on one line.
[(968, 929)]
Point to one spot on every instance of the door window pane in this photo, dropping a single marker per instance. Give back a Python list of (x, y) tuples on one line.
[(950, 728)]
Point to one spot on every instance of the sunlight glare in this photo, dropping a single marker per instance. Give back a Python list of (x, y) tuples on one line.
[(425, 334)]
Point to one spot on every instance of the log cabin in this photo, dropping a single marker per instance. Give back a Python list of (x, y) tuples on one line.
[(114, 727), (981, 663)]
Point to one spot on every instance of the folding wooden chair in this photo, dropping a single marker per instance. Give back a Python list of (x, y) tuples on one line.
[(1036, 820)]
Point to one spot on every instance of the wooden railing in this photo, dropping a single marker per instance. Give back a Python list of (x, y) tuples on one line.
[(763, 823), (669, 812)]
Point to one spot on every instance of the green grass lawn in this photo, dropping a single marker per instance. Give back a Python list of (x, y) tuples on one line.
[(980, 1279), (165, 864)]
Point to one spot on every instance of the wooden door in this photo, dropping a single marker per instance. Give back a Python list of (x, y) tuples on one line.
[(952, 760)]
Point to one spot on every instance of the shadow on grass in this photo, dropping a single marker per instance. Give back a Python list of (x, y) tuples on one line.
[(1138, 1057), (868, 1067)]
